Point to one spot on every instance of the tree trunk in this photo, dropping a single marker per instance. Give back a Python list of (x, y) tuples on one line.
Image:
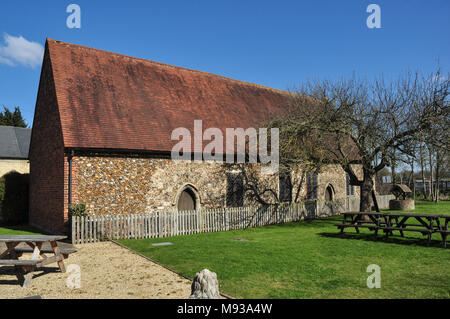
[(431, 175), (300, 185), (423, 178), (393, 173), (437, 177), (412, 181), (366, 193), (410, 177)]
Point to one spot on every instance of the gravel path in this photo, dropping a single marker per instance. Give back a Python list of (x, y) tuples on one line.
[(107, 271)]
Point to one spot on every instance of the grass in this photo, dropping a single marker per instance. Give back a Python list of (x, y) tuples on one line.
[(310, 260), (18, 230)]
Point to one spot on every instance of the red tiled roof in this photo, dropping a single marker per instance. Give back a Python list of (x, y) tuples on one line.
[(111, 101)]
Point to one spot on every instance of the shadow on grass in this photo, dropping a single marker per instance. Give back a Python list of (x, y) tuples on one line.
[(393, 239), (313, 223)]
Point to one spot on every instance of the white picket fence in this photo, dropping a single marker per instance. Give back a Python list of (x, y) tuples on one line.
[(94, 228)]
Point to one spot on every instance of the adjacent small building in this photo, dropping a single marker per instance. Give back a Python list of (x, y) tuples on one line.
[(14, 146)]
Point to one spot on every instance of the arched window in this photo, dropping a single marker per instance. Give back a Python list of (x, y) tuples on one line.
[(188, 198), (329, 193), (235, 190), (285, 183)]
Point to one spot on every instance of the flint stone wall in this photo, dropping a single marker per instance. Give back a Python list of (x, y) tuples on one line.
[(127, 185)]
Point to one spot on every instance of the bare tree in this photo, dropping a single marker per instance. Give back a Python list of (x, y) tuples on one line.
[(356, 122)]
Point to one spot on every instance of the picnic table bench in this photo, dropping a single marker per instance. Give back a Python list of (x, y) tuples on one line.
[(426, 224), (39, 246)]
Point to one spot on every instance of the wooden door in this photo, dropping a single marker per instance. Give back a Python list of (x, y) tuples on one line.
[(186, 201)]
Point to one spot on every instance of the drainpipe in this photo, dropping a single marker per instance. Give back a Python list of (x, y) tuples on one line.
[(70, 176)]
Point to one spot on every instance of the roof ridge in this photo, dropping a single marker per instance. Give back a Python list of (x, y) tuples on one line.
[(16, 140), (12, 145), (58, 42), (27, 128)]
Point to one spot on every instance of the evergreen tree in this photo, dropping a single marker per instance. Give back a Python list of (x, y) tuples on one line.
[(9, 118)]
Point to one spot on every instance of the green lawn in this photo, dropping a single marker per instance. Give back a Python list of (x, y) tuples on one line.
[(18, 230), (310, 260), (440, 208)]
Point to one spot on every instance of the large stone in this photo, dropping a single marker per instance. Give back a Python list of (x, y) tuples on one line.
[(401, 204), (205, 285)]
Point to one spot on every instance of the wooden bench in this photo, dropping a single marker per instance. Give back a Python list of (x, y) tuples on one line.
[(38, 246), (427, 224), (424, 231), (66, 250), (21, 266), (444, 233), (16, 262), (355, 220), (342, 226)]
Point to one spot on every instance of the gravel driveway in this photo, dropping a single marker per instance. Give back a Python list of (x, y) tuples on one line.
[(107, 271)]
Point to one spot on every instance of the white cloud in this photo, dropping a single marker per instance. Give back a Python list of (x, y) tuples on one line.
[(6, 61), (18, 50)]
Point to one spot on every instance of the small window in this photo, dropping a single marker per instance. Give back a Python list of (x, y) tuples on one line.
[(235, 190), (311, 185), (349, 188), (329, 193), (285, 187)]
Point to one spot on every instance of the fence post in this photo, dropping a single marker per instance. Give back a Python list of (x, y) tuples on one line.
[(94, 228), (82, 229)]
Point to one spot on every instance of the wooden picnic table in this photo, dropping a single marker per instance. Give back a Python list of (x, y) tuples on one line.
[(427, 224), (33, 244)]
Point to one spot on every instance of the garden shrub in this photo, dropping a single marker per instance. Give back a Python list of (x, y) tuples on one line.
[(77, 209)]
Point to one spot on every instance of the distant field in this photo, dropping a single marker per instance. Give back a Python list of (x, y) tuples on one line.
[(431, 208), (310, 260)]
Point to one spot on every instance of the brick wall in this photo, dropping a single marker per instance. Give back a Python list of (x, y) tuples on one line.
[(47, 159)]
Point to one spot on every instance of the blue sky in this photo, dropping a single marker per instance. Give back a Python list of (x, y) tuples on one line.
[(273, 43)]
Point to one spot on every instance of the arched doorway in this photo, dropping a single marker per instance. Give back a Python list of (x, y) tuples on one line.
[(187, 200), (329, 193)]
